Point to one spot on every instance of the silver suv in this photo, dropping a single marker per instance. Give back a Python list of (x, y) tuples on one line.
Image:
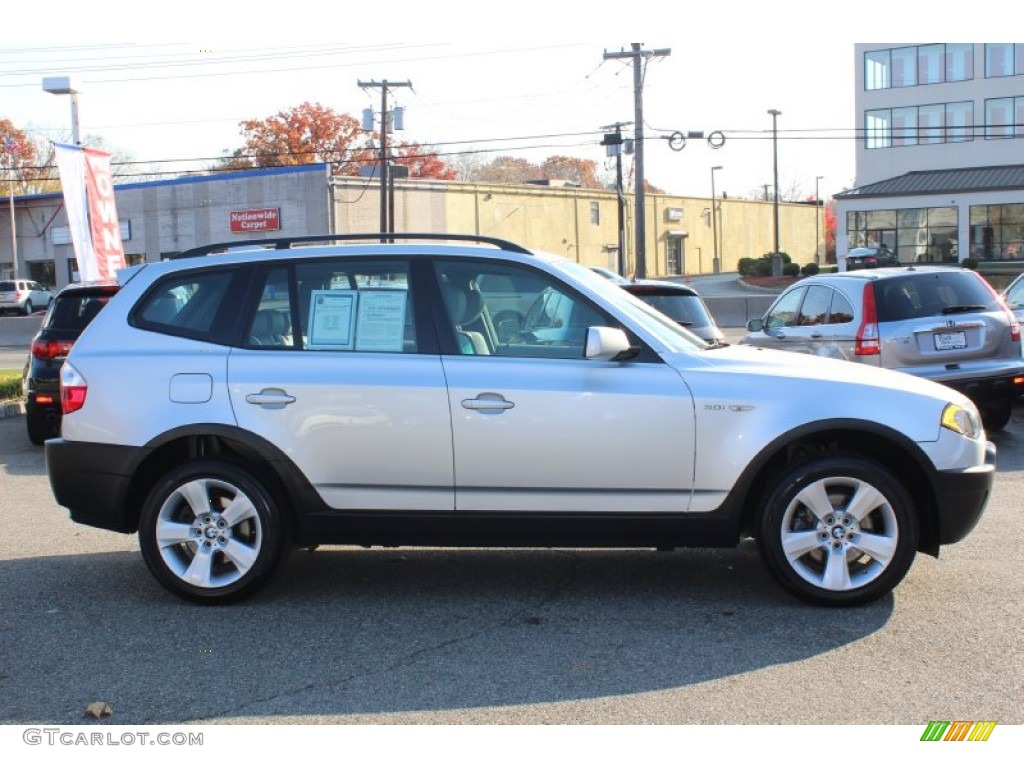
[(228, 406), (946, 324)]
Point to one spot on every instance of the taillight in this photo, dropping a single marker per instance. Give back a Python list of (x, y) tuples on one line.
[(1014, 325), (73, 389), (867, 342), (48, 350)]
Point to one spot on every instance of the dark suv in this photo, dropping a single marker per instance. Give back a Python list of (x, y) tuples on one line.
[(70, 312)]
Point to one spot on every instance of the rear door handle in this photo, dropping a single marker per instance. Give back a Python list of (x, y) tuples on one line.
[(270, 397), (488, 402)]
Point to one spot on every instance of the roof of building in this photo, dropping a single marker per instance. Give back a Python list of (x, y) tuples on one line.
[(953, 180)]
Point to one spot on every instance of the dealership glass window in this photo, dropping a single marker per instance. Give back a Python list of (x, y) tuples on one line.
[(914, 234), (959, 62), (934, 124), (997, 232), (999, 59)]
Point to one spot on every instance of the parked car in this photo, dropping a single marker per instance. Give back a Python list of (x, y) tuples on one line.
[(946, 324), (23, 296), (71, 311), (871, 258), (681, 303), (342, 390), (1014, 297)]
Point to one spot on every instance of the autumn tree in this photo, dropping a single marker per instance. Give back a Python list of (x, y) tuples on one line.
[(30, 157), (313, 133), (582, 172)]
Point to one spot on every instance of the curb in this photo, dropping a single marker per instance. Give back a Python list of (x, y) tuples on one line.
[(12, 408)]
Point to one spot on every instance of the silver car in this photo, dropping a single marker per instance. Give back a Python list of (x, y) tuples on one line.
[(23, 296), (340, 390), (946, 324)]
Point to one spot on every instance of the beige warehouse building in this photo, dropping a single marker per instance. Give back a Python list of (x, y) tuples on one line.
[(161, 218)]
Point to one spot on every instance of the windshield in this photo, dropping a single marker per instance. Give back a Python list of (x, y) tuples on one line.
[(673, 336)]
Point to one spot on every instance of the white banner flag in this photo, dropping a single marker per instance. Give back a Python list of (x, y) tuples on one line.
[(71, 165)]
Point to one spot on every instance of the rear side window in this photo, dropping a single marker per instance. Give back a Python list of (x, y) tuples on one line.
[(188, 305), (932, 294), (6, 285), (350, 306)]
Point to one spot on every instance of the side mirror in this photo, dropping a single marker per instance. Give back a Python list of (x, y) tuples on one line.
[(605, 343), (755, 325)]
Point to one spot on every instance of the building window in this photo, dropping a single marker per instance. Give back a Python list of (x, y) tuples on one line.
[(1004, 118), (959, 62), (1004, 59), (595, 213), (997, 232), (918, 65), (916, 235), (876, 71), (960, 121), (904, 127), (674, 255), (904, 67), (931, 122)]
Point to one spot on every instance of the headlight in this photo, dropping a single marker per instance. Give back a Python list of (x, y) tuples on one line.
[(961, 420)]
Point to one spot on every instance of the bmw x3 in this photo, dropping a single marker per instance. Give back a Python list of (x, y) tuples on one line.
[(344, 390)]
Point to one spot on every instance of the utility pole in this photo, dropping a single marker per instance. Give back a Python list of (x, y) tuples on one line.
[(386, 214), (636, 54), (613, 146), (776, 258)]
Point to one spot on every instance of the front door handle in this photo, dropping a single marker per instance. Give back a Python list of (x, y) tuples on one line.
[(488, 402), (270, 397)]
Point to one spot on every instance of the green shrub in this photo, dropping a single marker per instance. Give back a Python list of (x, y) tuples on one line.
[(790, 269), (10, 385), (809, 269), (969, 263)]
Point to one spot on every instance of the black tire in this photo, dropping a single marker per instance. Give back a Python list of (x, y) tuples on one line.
[(202, 554), (814, 553), (40, 428), (995, 414), (27, 309)]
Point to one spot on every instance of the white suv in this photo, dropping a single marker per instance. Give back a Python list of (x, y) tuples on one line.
[(228, 406)]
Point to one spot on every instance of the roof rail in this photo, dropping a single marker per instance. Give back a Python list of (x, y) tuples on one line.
[(285, 243)]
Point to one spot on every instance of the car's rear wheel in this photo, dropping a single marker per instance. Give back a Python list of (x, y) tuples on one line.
[(211, 532), (838, 530), (40, 428)]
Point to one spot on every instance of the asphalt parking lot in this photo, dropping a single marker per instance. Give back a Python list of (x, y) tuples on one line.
[(347, 635)]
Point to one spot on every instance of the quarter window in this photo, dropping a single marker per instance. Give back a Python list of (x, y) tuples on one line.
[(187, 305)]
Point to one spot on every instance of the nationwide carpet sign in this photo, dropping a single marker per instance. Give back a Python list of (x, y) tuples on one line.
[(258, 220), (88, 186)]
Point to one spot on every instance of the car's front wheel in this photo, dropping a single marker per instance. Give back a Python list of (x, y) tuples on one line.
[(996, 413), (210, 532), (28, 309), (838, 530)]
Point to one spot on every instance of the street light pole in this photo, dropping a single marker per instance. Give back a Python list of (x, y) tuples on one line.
[(714, 223), (776, 258), (817, 214), (62, 86)]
